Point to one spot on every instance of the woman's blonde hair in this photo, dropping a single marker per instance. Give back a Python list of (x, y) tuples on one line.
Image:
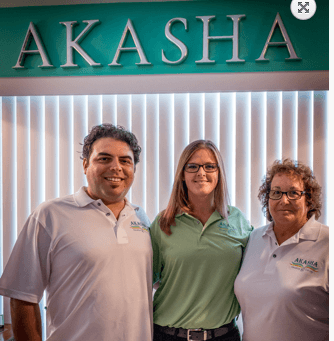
[(179, 201)]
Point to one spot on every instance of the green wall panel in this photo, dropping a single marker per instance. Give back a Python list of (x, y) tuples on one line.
[(309, 37)]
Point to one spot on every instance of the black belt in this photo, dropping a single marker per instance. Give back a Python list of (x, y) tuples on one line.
[(198, 334)]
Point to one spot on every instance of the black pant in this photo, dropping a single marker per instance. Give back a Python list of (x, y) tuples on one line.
[(232, 335)]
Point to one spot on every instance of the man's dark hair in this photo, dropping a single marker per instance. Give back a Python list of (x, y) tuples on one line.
[(115, 132)]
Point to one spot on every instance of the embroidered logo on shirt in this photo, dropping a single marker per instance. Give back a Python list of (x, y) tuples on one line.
[(230, 230), (304, 265), (138, 226), (223, 225)]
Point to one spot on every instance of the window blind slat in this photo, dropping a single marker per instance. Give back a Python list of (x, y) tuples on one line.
[(274, 126), (305, 127), (181, 125), (9, 184), (227, 139), (211, 109), (51, 147), (124, 111), (37, 150), (139, 129), (109, 109), (242, 153), (289, 124), (321, 148), (94, 110), (152, 155), (258, 153), (23, 166), (80, 130), (65, 145), (196, 117), (166, 148)]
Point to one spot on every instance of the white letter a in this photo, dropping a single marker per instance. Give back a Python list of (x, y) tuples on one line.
[(32, 33)]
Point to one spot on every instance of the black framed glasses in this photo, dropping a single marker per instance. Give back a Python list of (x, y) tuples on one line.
[(194, 167), (292, 195)]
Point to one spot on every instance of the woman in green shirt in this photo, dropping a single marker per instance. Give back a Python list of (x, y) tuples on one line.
[(198, 242)]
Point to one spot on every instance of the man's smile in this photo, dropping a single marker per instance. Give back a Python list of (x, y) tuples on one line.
[(114, 179)]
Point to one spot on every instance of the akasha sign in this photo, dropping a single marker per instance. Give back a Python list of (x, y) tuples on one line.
[(137, 38), (74, 44)]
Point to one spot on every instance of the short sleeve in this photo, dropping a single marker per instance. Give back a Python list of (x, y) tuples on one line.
[(240, 225), (156, 240), (27, 272)]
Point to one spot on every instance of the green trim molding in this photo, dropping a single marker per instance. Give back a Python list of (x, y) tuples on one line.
[(149, 38)]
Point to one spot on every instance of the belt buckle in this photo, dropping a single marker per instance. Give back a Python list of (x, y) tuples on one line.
[(196, 330)]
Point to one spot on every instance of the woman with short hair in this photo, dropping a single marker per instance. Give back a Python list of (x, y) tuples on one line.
[(283, 285), (198, 241)]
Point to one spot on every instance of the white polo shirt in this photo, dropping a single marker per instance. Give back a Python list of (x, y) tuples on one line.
[(97, 271), (283, 289)]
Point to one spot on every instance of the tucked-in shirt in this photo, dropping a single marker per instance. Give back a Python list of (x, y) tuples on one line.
[(283, 289), (97, 271), (196, 266)]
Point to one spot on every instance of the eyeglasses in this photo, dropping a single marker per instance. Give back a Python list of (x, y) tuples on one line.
[(292, 195), (194, 167)]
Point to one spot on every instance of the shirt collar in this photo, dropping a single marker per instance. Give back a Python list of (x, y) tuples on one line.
[(310, 231), (131, 206), (214, 216), (269, 230), (83, 199)]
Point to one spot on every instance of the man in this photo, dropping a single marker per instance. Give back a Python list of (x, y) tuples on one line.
[(91, 251)]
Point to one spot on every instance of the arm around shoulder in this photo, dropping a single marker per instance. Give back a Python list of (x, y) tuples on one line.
[(238, 218), (157, 259), (26, 320)]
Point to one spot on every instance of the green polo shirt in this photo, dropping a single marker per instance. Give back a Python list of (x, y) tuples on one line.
[(197, 266)]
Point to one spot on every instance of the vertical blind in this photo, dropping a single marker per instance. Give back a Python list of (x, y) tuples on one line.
[(41, 135)]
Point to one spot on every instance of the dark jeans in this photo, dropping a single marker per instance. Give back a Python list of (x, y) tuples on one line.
[(232, 335)]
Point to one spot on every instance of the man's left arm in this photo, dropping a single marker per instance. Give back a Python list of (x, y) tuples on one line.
[(26, 320)]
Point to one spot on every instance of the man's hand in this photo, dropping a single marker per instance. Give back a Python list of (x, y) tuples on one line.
[(26, 320)]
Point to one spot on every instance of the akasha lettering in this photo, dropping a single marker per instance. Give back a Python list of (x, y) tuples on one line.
[(305, 262), (305, 265), (74, 44)]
